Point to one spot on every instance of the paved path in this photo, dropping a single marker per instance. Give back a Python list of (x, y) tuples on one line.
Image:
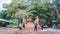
[(7, 31), (16, 31), (47, 31)]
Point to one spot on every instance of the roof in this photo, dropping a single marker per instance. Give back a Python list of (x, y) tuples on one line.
[(4, 20)]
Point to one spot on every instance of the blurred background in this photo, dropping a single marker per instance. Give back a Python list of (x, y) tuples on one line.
[(12, 11)]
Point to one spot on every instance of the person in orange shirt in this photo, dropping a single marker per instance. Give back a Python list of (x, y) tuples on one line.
[(31, 24)]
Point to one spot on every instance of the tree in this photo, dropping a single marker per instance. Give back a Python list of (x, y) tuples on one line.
[(12, 9), (3, 14), (39, 9), (56, 8), (42, 8)]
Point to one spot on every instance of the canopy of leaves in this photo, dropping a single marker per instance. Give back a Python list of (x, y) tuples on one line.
[(3, 14), (42, 8)]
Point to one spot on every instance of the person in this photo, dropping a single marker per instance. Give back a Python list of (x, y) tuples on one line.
[(31, 24), (54, 26), (36, 23), (41, 26), (20, 27), (23, 23)]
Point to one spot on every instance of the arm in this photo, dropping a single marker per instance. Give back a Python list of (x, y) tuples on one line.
[(37, 19), (23, 20)]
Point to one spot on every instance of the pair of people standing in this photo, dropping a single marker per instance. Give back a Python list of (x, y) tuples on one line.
[(31, 24)]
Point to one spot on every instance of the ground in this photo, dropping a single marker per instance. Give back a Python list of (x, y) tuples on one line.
[(17, 31)]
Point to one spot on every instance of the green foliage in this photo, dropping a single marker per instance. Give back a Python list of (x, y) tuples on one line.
[(14, 21), (3, 13), (38, 9), (41, 8), (11, 10), (20, 6)]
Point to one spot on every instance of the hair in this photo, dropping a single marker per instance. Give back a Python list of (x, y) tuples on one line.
[(30, 17)]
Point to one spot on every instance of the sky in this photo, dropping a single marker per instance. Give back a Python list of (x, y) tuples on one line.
[(4, 2)]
